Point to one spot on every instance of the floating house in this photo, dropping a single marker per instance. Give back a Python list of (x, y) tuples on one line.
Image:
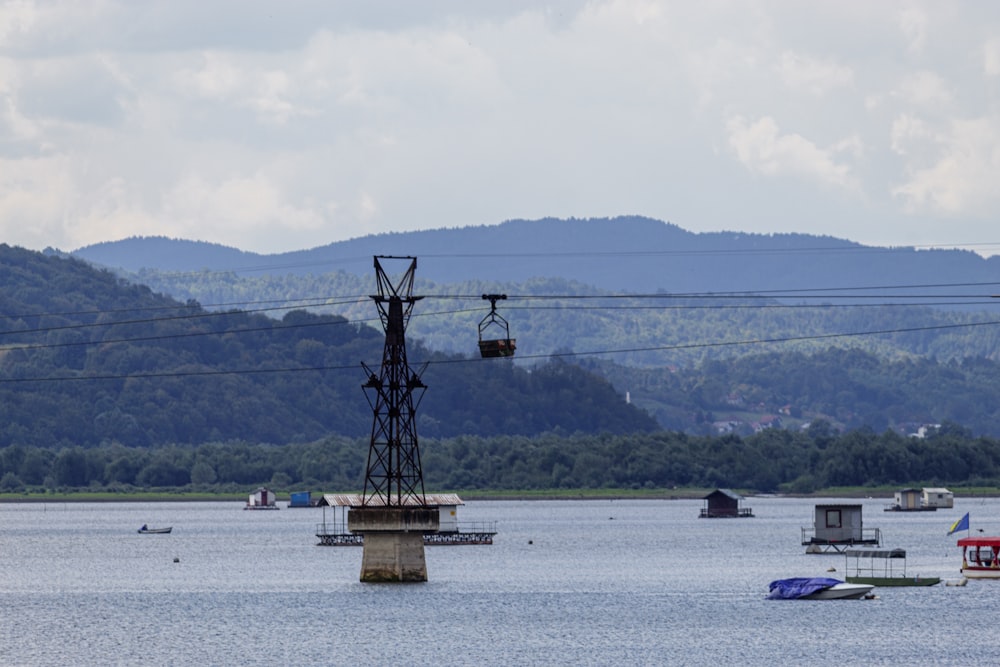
[(261, 499), (336, 534), (836, 527), (938, 498), (921, 500), (908, 500), (723, 503), (300, 499)]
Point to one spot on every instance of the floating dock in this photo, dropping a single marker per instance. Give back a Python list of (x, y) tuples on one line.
[(450, 532)]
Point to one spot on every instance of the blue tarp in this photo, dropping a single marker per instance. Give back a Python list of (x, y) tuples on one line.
[(799, 587)]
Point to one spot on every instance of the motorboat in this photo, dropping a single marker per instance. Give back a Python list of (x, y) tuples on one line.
[(146, 530), (816, 588), (980, 557), (844, 591), (882, 567)]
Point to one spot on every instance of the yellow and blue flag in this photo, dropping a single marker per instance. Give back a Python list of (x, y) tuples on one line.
[(961, 524)]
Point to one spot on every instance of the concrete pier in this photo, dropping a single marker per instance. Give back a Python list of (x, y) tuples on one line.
[(393, 541)]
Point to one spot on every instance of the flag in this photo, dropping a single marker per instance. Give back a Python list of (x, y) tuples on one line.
[(961, 524)]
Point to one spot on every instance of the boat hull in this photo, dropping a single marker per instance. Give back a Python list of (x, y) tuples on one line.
[(841, 592), (156, 531), (894, 581), (981, 572)]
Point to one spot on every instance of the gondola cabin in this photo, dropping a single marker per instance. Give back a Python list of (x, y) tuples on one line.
[(494, 332)]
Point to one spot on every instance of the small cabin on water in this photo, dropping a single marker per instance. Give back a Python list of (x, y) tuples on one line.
[(261, 499), (301, 499), (723, 503), (907, 500), (837, 526), (938, 498)]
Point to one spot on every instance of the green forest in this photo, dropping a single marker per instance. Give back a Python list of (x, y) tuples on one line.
[(107, 384), (773, 461)]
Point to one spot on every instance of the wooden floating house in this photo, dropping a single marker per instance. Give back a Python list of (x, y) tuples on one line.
[(723, 504), (836, 527), (261, 499), (450, 532), (921, 500), (908, 500)]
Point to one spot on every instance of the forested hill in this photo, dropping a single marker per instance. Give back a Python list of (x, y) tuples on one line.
[(87, 358), (629, 253)]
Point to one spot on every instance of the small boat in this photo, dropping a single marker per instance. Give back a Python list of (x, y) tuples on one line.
[(882, 567), (980, 557), (816, 588), (146, 530)]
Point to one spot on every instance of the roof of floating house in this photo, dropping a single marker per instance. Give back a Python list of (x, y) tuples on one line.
[(355, 499), (726, 492)]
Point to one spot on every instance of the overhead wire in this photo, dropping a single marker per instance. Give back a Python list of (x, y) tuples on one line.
[(771, 297), (653, 348)]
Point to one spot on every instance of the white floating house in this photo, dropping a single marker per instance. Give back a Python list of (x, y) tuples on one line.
[(836, 527), (261, 499), (336, 533), (938, 497)]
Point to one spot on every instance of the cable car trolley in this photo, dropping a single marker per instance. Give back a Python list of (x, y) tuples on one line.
[(494, 324)]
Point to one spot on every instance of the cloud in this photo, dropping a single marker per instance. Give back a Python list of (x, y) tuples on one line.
[(273, 130), (953, 169), (991, 58), (813, 75), (245, 204), (913, 24), (762, 149), (925, 90)]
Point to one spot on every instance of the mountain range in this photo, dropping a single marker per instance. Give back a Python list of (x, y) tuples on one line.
[(886, 337), (630, 254)]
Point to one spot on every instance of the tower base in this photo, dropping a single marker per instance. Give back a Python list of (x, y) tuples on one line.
[(393, 541)]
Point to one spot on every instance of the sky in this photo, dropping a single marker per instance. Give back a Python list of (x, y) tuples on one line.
[(272, 126)]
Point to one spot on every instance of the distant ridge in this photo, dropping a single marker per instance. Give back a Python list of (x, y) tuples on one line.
[(629, 254), (167, 254)]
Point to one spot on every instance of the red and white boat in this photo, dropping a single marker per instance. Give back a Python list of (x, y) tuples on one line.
[(980, 557)]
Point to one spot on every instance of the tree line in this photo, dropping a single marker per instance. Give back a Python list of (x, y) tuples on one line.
[(774, 460)]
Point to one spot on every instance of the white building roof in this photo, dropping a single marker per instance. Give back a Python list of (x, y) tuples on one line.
[(355, 499)]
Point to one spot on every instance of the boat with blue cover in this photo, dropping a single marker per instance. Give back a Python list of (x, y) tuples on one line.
[(816, 588)]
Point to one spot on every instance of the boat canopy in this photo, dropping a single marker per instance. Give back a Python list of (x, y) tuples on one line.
[(979, 542), (875, 553), (799, 587)]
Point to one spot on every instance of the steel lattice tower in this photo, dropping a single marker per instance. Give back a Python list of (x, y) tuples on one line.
[(394, 477)]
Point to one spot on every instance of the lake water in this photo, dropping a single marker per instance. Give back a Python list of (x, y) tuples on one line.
[(565, 583)]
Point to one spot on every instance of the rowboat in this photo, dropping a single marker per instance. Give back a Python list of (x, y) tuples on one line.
[(146, 530)]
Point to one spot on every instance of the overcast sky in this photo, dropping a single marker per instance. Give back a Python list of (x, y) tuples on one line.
[(269, 125)]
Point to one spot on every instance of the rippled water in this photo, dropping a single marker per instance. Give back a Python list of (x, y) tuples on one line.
[(566, 583)]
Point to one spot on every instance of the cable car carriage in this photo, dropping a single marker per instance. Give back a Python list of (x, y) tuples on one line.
[(494, 324)]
